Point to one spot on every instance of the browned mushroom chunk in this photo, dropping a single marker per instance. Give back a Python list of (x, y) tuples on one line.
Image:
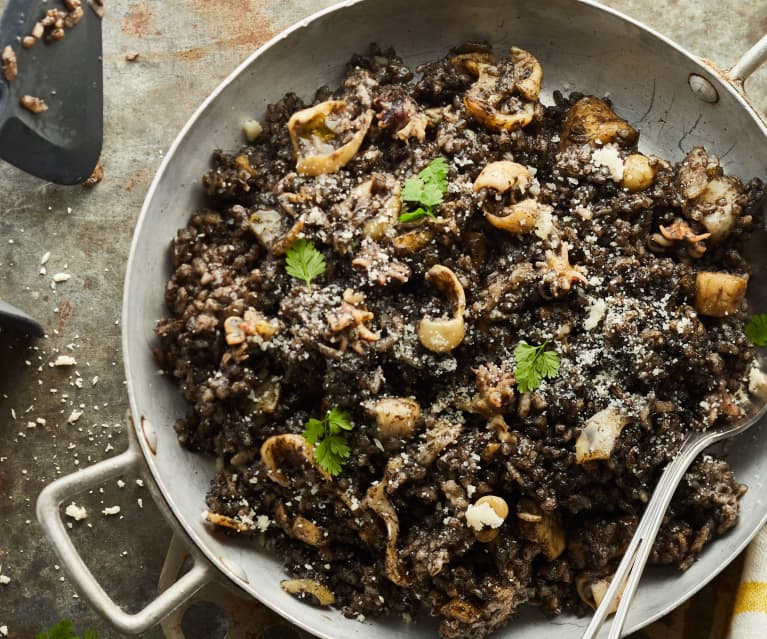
[(591, 121), (719, 294)]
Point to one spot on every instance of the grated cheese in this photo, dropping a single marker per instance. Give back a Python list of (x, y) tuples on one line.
[(483, 515), (78, 513), (609, 158)]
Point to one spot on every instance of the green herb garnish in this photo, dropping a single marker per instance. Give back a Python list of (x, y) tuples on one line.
[(427, 190), (533, 364), (63, 630), (756, 329), (331, 449), (304, 261)]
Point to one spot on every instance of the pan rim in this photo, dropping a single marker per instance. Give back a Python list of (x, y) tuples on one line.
[(700, 64)]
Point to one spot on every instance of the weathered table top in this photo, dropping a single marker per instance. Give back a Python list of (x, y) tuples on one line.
[(54, 420)]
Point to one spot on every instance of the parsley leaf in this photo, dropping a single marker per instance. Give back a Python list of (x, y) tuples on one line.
[(331, 450), (534, 363), (63, 630), (314, 430), (427, 189), (304, 262), (756, 329)]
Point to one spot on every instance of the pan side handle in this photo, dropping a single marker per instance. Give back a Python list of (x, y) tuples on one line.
[(750, 62), (48, 506)]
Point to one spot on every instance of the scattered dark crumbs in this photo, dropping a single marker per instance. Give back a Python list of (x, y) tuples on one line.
[(620, 315)]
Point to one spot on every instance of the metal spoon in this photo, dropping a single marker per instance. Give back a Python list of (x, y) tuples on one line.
[(19, 320), (632, 565)]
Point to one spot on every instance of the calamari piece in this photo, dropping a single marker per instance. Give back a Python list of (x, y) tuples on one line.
[(443, 335), (505, 95), (379, 503), (327, 136), (520, 218), (504, 176), (277, 449), (396, 416)]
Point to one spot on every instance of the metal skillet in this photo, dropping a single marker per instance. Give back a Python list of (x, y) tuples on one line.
[(581, 46)]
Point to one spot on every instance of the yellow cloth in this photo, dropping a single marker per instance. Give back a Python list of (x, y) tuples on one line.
[(749, 616)]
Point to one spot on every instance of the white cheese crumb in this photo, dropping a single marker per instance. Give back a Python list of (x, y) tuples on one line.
[(483, 515), (140, 502), (74, 416), (262, 523), (5, 580), (597, 309), (120, 483), (4, 631), (140, 482), (111, 510), (65, 360), (76, 512), (61, 277), (44, 259), (470, 490), (545, 224), (252, 129), (609, 158), (757, 381)]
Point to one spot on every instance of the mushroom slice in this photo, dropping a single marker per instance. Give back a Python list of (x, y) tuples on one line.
[(326, 136), (443, 335), (308, 532), (266, 225), (411, 241), (379, 503), (302, 588), (504, 176), (461, 610), (719, 294), (541, 527), (695, 172), (593, 588), (591, 121), (396, 416), (473, 61), (223, 521), (521, 217), (719, 207), (277, 449), (504, 96), (598, 436)]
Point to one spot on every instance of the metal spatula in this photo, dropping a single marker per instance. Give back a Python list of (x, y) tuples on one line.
[(63, 143)]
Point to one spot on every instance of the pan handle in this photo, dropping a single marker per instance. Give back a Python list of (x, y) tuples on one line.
[(65, 488), (750, 62)]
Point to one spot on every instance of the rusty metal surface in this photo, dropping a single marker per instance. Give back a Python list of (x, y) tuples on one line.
[(185, 48)]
